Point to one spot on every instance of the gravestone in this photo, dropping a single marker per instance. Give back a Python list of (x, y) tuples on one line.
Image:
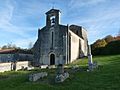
[(60, 69), (36, 76), (61, 74)]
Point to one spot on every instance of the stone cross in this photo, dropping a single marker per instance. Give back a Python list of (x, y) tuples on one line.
[(89, 55), (90, 62), (61, 74), (60, 69)]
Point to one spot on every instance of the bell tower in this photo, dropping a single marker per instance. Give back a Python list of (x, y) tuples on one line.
[(52, 17)]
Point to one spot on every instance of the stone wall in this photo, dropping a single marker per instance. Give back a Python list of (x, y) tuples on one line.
[(14, 66), (5, 67), (22, 65), (15, 57), (54, 40), (65, 48), (6, 57), (44, 46), (24, 57), (74, 46), (82, 33)]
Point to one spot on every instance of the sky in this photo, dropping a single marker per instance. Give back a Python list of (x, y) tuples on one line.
[(20, 19)]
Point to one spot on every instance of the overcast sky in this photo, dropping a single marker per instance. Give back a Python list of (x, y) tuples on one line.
[(20, 19)]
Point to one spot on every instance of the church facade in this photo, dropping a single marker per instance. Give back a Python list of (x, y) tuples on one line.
[(59, 44)]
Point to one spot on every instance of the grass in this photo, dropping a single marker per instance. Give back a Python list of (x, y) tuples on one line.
[(105, 77)]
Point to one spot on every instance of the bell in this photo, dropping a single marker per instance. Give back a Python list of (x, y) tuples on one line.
[(53, 20)]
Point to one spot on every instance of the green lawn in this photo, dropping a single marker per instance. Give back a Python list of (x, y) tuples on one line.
[(105, 77)]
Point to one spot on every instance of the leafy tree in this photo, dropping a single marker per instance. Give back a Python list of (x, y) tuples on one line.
[(109, 38), (117, 38), (99, 43), (4, 47), (112, 47), (10, 46), (107, 45)]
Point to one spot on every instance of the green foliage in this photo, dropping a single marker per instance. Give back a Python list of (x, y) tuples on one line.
[(10, 46), (106, 77), (106, 46), (109, 38), (99, 43), (110, 49)]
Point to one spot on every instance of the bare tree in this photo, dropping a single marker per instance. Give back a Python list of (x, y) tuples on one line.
[(30, 45)]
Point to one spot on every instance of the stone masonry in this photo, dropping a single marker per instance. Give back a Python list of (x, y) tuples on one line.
[(59, 44)]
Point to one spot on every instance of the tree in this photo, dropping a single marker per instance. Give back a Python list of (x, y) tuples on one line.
[(99, 43), (4, 47), (113, 47), (106, 46), (117, 38), (109, 38), (30, 45), (10, 46)]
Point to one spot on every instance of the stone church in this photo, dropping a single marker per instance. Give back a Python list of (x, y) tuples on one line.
[(59, 44)]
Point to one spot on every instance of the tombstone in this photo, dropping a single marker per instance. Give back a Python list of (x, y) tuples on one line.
[(60, 69), (61, 74), (36, 76)]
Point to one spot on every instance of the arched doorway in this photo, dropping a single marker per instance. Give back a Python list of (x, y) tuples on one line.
[(52, 59)]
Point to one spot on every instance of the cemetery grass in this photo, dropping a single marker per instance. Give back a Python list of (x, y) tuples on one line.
[(105, 77)]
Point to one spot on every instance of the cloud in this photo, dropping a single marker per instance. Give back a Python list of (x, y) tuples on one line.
[(83, 3), (99, 21), (20, 20), (24, 43), (6, 13), (10, 30)]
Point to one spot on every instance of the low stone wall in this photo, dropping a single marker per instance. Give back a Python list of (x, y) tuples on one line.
[(14, 66), (5, 67), (22, 65), (43, 66)]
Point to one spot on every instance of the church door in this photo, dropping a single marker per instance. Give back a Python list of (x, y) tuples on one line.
[(52, 59)]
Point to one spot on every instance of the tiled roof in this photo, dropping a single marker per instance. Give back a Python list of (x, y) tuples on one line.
[(5, 51), (12, 51)]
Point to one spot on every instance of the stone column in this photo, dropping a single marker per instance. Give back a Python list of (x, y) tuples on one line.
[(90, 62), (68, 44), (89, 55)]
